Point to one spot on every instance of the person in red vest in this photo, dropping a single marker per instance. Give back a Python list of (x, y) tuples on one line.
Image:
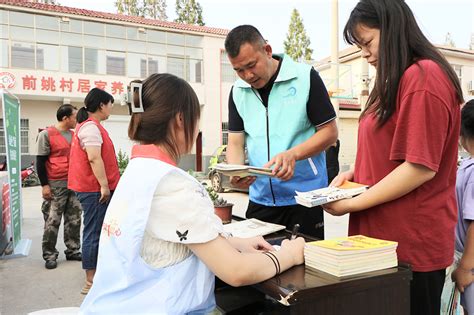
[(52, 163), (93, 173)]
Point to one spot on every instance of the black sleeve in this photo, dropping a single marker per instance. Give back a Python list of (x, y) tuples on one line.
[(319, 108), (236, 124), (41, 169)]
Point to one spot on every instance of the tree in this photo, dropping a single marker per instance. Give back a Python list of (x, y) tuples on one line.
[(297, 42), (155, 9), (448, 41), (128, 7), (189, 12)]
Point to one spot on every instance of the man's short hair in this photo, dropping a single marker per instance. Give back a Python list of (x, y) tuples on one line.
[(65, 110), (241, 35)]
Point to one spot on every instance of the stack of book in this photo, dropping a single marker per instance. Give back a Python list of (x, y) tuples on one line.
[(347, 256), (322, 196), (242, 170)]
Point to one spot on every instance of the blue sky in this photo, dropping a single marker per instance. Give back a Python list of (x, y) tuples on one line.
[(271, 17)]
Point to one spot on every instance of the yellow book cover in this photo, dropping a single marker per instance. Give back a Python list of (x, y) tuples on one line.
[(353, 243)]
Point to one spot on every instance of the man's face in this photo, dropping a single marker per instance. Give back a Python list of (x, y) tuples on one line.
[(254, 64), (71, 120)]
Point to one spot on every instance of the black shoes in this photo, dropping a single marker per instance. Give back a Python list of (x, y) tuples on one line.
[(50, 264), (76, 256)]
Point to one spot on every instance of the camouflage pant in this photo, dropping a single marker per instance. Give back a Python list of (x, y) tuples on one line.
[(64, 204)]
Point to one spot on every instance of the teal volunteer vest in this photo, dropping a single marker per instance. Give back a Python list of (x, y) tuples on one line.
[(277, 128)]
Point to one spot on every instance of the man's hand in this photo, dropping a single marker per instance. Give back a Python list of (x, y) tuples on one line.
[(46, 191), (284, 165), (242, 182), (104, 194)]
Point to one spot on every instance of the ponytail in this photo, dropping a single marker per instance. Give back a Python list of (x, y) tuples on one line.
[(82, 115)]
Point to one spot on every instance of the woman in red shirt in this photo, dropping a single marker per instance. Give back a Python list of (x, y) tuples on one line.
[(407, 146)]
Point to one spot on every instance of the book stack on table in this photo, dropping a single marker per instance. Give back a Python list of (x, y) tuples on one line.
[(347, 256)]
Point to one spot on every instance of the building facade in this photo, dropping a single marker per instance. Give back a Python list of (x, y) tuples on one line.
[(52, 55)]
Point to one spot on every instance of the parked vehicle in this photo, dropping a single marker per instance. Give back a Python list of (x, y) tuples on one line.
[(220, 182)]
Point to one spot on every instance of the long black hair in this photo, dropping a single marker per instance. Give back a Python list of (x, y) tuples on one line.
[(94, 99), (401, 44)]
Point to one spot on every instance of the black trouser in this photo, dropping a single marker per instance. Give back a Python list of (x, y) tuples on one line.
[(425, 292), (311, 220)]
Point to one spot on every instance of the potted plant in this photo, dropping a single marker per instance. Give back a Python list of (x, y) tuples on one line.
[(222, 208)]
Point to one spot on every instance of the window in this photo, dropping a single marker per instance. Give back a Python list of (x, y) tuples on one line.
[(22, 33), (3, 17), (22, 19), (156, 63), (175, 39), (73, 26), (94, 41), (115, 64), (47, 57), (176, 66), (458, 70), (70, 39), (94, 28), (136, 46), (136, 65), (156, 36), (24, 130), (47, 22), (194, 41), (225, 132), (152, 66), (227, 71), (90, 60), (75, 59), (4, 53), (115, 31), (23, 55), (44, 36), (4, 31), (194, 70)]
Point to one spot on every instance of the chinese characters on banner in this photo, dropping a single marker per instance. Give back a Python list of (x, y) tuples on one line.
[(43, 83)]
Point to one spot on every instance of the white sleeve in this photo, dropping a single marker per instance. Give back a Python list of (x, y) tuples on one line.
[(182, 212)]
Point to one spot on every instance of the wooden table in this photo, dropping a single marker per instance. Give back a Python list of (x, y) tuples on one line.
[(303, 290)]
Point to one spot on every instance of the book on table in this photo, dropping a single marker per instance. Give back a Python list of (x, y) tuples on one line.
[(347, 256), (325, 195), (252, 227), (242, 170)]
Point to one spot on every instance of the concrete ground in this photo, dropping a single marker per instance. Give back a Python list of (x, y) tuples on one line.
[(26, 286)]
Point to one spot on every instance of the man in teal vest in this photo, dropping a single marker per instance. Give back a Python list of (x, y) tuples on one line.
[(281, 111)]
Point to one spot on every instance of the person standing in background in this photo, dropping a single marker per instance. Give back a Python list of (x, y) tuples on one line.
[(52, 164), (93, 173)]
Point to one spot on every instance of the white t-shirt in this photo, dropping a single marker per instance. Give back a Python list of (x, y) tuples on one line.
[(180, 207)]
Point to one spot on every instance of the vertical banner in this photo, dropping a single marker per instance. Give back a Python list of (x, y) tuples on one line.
[(11, 127)]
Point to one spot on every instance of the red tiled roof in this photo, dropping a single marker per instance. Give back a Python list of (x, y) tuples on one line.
[(114, 17)]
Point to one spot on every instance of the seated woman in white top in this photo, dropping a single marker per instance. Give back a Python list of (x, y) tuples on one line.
[(161, 243)]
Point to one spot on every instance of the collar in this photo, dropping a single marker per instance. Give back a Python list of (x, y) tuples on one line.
[(286, 73), (151, 151), (467, 162)]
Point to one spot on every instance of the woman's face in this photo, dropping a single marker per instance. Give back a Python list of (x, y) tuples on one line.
[(368, 40), (107, 109)]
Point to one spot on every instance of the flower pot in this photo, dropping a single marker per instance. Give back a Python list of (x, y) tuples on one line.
[(224, 212)]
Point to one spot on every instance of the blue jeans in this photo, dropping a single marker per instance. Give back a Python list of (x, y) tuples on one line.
[(94, 213)]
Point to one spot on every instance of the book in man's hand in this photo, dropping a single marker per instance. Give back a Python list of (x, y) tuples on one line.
[(347, 256), (325, 195), (242, 170)]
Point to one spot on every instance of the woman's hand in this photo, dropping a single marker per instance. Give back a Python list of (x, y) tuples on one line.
[(295, 248), (462, 277), (253, 244), (342, 177), (104, 194), (338, 208)]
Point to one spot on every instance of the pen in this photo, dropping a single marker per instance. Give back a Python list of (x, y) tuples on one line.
[(294, 233)]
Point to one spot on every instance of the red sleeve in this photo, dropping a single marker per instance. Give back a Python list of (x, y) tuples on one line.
[(421, 130)]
